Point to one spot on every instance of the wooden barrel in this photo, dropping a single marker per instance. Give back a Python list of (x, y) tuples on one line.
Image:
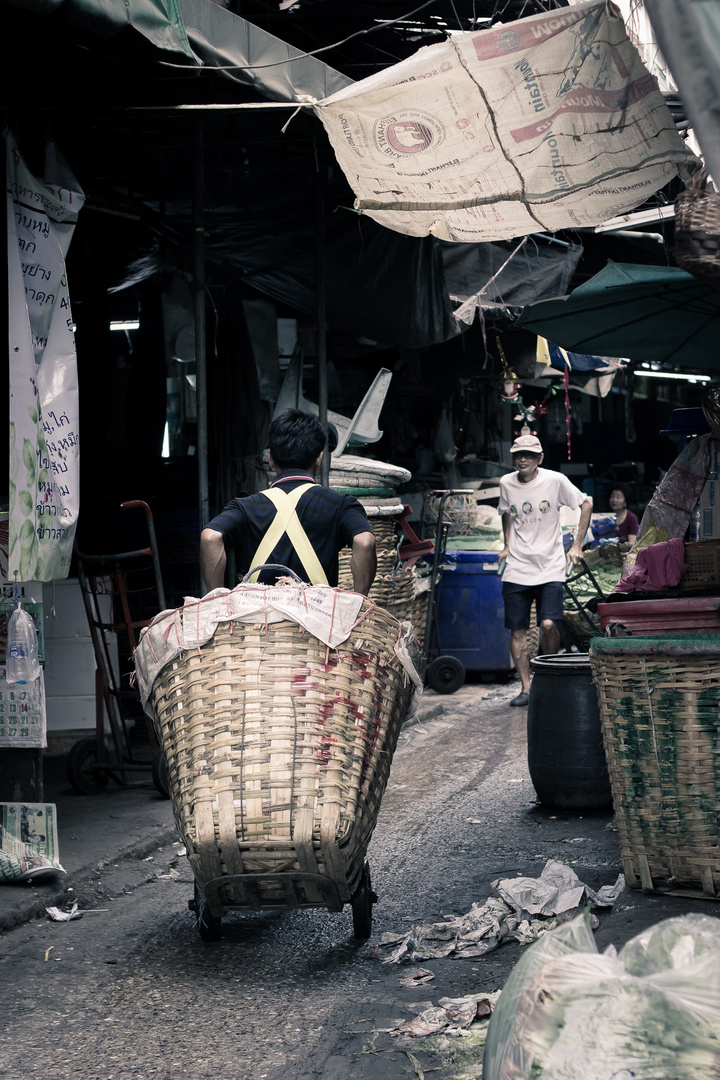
[(566, 758)]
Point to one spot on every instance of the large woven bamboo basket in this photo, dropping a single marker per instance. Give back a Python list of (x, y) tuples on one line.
[(659, 701), (278, 751)]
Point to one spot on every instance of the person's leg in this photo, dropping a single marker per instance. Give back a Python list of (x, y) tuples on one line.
[(550, 611), (550, 640), (521, 657), (518, 600)]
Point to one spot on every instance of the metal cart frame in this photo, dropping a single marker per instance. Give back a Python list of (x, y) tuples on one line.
[(445, 674), (90, 764), (582, 609)]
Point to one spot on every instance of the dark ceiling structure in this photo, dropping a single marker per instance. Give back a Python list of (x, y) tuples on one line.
[(134, 121), (368, 36)]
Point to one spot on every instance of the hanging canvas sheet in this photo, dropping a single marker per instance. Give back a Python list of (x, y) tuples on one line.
[(551, 122), (43, 428)]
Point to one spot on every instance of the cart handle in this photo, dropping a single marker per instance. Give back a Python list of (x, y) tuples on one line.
[(153, 550), (137, 502), (273, 566)]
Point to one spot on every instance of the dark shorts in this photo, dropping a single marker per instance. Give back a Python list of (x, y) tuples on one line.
[(518, 601)]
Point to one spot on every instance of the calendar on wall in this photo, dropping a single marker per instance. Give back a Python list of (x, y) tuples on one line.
[(22, 712)]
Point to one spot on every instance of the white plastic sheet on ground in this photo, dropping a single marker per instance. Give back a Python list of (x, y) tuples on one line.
[(649, 1012), (550, 122)]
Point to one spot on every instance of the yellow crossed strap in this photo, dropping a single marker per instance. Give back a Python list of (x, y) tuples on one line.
[(287, 521)]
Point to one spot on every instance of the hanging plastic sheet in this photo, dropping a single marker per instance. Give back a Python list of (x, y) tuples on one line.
[(43, 428), (508, 275)]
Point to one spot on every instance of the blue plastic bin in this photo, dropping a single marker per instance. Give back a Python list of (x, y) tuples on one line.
[(471, 612)]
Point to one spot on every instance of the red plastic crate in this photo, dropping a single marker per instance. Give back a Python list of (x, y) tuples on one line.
[(676, 616)]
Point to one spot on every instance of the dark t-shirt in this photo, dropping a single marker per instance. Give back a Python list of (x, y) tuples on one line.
[(330, 519), (629, 527)]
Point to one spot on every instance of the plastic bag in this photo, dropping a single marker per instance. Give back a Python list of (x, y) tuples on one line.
[(501, 1051), (650, 1012), (22, 665)]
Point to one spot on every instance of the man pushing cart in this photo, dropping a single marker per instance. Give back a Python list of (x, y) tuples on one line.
[(278, 703)]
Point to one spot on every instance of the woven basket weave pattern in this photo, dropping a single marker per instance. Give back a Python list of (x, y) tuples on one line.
[(278, 749), (394, 586), (460, 510), (703, 561), (660, 723), (697, 233)]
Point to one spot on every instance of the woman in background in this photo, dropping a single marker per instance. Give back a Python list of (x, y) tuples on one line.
[(626, 523)]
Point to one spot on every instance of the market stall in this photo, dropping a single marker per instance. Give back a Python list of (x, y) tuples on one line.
[(657, 675)]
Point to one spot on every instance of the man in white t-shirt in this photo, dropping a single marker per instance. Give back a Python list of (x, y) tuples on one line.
[(530, 501)]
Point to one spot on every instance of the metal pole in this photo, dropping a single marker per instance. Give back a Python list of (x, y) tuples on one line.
[(199, 295), (320, 313)]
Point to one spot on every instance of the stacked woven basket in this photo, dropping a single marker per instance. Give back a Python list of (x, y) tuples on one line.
[(697, 232), (375, 484), (460, 510)]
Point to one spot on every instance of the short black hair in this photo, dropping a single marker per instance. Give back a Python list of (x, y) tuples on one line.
[(619, 485), (296, 439)]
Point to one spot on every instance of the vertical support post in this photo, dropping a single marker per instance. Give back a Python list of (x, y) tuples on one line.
[(200, 308), (320, 315), (21, 775)]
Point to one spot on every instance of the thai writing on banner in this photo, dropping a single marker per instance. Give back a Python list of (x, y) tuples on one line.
[(43, 429)]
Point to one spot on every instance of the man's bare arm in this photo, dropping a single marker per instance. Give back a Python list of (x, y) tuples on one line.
[(506, 524), (212, 559), (575, 552), (363, 562)]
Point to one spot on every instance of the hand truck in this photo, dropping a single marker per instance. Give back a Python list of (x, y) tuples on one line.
[(121, 593)]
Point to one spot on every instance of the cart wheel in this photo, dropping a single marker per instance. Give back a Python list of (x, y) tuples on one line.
[(362, 903), (445, 674), (79, 768), (160, 774), (208, 925)]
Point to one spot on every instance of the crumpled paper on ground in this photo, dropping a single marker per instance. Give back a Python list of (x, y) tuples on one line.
[(449, 1015), (57, 915), (557, 889), (485, 927)]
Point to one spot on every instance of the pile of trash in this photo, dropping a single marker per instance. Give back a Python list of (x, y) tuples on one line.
[(526, 909)]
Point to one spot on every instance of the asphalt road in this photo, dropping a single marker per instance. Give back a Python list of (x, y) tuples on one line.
[(130, 990)]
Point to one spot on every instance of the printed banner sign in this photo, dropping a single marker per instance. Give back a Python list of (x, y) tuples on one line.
[(43, 430), (551, 122)]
